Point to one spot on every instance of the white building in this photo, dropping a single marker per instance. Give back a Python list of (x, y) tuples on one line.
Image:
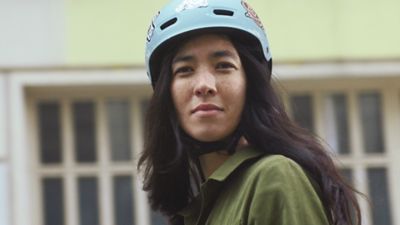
[(70, 130)]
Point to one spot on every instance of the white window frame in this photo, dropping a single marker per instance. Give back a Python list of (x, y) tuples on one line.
[(18, 150), (23, 196), (103, 169), (357, 160)]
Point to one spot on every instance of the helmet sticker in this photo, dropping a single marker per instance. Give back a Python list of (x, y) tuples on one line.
[(191, 4), (252, 14), (150, 31)]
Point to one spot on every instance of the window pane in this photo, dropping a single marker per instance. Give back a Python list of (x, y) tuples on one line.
[(371, 121), (379, 195), (158, 219), (53, 201), (336, 123), (49, 132), (347, 175), (302, 111), (123, 200), (119, 129), (88, 201), (144, 106), (85, 136)]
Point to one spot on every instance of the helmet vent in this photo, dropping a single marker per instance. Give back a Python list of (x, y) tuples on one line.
[(168, 23), (223, 12)]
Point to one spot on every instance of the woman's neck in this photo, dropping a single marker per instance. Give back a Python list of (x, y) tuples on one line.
[(211, 161)]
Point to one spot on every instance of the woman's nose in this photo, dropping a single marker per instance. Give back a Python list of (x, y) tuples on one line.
[(205, 85)]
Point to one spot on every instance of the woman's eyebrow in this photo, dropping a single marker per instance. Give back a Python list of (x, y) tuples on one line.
[(222, 53), (183, 58), (216, 54)]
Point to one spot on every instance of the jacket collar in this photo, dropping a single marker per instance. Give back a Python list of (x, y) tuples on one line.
[(232, 163), (211, 186)]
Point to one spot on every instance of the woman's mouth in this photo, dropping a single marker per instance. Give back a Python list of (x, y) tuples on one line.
[(206, 109)]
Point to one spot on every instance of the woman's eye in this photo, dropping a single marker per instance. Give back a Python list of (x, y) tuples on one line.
[(183, 70), (225, 65)]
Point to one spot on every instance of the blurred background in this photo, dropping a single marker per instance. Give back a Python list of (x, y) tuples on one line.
[(73, 90)]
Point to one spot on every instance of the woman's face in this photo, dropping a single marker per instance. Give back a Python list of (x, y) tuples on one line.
[(208, 87)]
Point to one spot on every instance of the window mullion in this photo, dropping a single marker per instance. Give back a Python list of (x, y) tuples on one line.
[(318, 106), (38, 211), (391, 123), (361, 182), (106, 198), (391, 115), (356, 145), (286, 103), (70, 195), (142, 211), (136, 128), (355, 127), (329, 134)]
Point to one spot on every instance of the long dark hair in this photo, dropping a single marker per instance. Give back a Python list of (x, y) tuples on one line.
[(168, 168)]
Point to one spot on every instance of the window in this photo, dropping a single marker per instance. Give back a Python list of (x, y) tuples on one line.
[(123, 200), (347, 175), (371, 121), (379, 195), (84, 131), (53, 200), (302, 110), (336, 123), (88, 195), (49, 132), (86, 162), (366, 120), (118, 116), (351, 122)]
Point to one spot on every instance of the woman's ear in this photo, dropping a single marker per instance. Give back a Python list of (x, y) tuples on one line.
[(242, 142)]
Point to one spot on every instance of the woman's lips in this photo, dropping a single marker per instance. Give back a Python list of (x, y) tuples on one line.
[(206, 109)]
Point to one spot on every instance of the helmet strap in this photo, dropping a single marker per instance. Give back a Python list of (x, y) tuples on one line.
[(197, 148)]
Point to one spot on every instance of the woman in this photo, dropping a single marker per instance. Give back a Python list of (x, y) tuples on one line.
[(219, 146)]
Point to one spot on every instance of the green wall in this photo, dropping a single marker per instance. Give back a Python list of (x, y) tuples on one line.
[(109, 32), (112, 32)]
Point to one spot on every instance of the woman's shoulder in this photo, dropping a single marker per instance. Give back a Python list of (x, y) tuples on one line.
[(276, 163), (278, 169), (278, 182)]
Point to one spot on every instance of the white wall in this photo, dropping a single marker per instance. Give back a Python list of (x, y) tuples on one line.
[(4, 203), (3, 110), (4, 179), (31, 32)]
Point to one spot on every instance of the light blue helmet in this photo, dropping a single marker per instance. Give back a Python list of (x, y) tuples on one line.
[(182, 17)]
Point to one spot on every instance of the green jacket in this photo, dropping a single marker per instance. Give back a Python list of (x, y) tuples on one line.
[(252, 188)]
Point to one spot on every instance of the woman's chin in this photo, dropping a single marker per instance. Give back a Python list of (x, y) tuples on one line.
[(208, 136)]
